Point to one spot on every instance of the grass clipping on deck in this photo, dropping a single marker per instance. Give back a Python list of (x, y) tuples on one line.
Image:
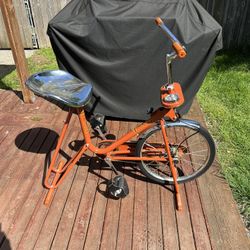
[(225, 100)]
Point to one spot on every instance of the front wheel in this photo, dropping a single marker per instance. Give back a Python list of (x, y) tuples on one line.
[(192, 149)]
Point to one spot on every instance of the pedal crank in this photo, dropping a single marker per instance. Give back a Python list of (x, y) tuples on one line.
[(111, 165)]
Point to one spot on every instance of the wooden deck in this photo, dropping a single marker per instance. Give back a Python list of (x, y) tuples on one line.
[(80, 216)]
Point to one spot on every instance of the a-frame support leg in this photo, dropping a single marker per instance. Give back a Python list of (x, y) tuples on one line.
[(172, 167)]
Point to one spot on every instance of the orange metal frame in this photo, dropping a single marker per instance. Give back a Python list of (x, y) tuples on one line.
[(118, 150)]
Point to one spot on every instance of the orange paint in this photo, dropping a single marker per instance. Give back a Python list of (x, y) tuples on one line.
[(180, 51), (122, 149), (117, 150), (174, 89)]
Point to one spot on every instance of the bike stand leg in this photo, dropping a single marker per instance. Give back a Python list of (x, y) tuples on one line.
[(176, 187), (61, 172), (172, 167), (51, 168), (48, 197)]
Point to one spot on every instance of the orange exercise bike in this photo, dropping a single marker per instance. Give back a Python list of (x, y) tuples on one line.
[(168, 149)]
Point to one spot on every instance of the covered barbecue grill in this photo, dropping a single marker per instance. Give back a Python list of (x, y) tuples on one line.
[(116, 46)]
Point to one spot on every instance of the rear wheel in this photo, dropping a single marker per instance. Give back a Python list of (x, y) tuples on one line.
[(192, 149)]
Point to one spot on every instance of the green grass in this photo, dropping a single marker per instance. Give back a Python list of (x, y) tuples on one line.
[(225, 100), (43, 59)]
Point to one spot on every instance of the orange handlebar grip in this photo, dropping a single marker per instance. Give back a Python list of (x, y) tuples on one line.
[(158, 21), (179, 50)]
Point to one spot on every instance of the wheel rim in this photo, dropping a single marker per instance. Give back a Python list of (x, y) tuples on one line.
[(189, 148)]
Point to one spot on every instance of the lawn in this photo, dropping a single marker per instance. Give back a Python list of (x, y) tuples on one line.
[(225, 100), (43, 59)]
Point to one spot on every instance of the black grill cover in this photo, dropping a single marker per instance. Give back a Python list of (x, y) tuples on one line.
[(116, 46)]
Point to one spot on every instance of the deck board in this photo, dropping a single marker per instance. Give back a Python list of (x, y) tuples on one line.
[(80, 215)]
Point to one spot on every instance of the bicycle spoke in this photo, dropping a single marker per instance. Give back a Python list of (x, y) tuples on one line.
[(182, 139), (192, 144), (194, 154), (192, 162)]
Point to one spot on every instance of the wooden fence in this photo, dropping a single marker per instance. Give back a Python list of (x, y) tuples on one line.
[(234, 17), (25, 27), (34, 15)]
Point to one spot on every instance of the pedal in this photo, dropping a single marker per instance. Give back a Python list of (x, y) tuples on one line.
[(117, 187), (97, 122)]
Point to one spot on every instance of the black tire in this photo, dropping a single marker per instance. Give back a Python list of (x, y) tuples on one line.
[(180, 143)]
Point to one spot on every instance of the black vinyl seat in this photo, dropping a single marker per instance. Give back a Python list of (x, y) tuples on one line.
[(61, 86)]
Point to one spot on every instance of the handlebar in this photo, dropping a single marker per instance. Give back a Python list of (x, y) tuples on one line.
[(177, 46)]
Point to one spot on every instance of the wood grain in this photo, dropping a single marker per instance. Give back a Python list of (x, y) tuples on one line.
[(82, 217)]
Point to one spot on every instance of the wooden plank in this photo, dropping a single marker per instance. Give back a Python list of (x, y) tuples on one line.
[(14, 36), (67, 220), (94, 233), (225, 225), (4, 132), (2, 92), (140, 226), (169, 226), (47, 232), (70, 214), (81, 223), (111, 221), (184, 223), (28, 201), (36, 193), (125, 228), (9, 102), (10, 136), (10, 187), (168, 206), (39, 213), (7, 173), (155, 240), (4, 95), (22, 189), (43, 12), (14, 119), (46, 235), (81, 213), (25, 28), (198, 221), (29, 107), (199, 225), (79, 231)]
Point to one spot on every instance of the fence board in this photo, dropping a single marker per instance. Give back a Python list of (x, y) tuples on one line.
[(233, 15), (25, 29), (43, 11)]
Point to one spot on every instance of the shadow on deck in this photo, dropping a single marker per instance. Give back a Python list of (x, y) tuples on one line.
[(81, 216)]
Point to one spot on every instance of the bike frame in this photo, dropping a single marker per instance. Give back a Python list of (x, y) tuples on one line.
[(118, 150)]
